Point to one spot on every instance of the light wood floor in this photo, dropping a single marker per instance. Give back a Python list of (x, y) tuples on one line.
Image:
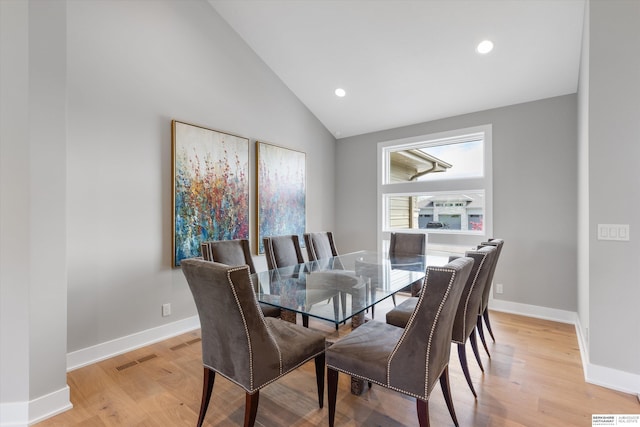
[(534, 378)]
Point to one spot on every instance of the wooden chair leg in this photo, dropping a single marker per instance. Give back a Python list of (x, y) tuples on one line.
[(332, 384), (207, 388), (305, 320), (462, 355), (422, 406), (446, 391), (251, 409), (487, 322), (474, 346), (319, 361), (481, 333)]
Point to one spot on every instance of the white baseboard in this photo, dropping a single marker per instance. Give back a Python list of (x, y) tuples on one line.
[(614, 379), (49, 405), (562, 316), (23, 414), (625, 382), (102, 351)]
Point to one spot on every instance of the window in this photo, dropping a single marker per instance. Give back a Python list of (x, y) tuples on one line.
[(438, 184)]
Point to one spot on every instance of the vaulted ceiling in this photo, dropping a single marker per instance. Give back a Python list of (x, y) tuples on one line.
[(404, 62)]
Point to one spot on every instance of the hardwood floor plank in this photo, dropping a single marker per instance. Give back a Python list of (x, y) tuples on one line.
[(533, 378)]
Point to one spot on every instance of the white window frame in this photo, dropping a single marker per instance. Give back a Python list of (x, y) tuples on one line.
[(441, 240)]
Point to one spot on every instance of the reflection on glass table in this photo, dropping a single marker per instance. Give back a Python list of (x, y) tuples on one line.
[(361, 278)]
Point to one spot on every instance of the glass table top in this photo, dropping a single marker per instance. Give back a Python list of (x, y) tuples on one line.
[(337, 288)]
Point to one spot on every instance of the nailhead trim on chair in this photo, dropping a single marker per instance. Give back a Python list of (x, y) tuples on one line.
[(426, 394), (244, 321), (246, 331), (466, 303)]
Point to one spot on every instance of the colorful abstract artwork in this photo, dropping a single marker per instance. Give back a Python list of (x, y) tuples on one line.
[(210, 188), (281, 175)]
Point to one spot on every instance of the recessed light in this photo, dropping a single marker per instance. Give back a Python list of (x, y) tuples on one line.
[(340, 92), (485, 47)]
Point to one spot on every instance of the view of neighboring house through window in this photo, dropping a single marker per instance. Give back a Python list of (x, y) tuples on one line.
[(437, 184)]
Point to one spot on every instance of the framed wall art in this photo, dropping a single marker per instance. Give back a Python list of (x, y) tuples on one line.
[(281, 194), (210, 172)]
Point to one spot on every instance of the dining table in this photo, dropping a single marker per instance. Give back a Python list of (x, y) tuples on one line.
[(354, 282)]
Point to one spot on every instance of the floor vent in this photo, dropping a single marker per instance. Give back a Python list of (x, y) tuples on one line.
[(136, 362), (185, 344)]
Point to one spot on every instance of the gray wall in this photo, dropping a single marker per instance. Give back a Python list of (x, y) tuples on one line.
[(614, 150), (86, 167), (535, 185), (134, 66), (584, 226), (33, 279)]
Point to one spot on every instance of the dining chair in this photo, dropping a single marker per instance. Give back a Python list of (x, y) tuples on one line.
[(409, 360), (483, 314), (406, 245), (238, 342), (467, 312), (321, 246), (284, 251), (234, 253)]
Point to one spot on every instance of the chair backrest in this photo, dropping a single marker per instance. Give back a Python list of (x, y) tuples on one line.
[(422, 353), (233, 328), (320, 245), (230, 252), (406, 244), (467, 314), (498, 243), (282, 251)]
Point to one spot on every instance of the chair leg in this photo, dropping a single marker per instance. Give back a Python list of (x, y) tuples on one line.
[(474, 346), (481, 333), (207, 388), (305, 320), (422, 406), (462, 355), (393, 297), (251, 409), (336, 307), (485, 315), (319, 361), (332, 384), (446, 391)]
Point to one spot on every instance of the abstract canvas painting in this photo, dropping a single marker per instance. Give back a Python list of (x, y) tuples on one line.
[(210, 188), (281, 176)]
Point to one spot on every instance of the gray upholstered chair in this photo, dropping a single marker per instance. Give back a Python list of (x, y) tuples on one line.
[(233, 253), (483, 315), (403, 246), (408, 360), (467, 313), (284, 251), (321, 246), (238, 342)]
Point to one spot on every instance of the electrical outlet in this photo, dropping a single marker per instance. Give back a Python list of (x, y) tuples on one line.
[(166, 310), (499, 288)]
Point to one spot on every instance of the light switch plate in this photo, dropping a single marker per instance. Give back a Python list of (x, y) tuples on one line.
[(619, 232)]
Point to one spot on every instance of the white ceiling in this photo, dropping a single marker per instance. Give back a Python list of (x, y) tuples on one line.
[(405, 62)]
